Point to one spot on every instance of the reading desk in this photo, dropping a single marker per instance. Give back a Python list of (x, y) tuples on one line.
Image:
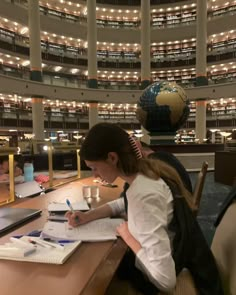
[(88, 271)]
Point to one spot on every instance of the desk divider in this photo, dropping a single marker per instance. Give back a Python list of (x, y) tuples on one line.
[(10, 153)]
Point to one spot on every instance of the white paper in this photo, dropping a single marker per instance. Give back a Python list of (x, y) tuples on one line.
[(59, 174), (98, 230), (57, 207)]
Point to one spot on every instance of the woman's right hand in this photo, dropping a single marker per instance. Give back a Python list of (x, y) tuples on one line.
[(77, 218)]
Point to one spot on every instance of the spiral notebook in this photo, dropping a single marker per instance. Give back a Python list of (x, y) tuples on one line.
[(41, 254), (103, 229)]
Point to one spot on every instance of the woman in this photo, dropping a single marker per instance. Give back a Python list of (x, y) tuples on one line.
[(4, 169), (151, 230)]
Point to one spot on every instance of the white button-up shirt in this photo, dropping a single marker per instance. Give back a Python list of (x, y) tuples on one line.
[(150, 210)]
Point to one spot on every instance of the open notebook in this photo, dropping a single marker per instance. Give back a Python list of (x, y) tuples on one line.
[(41, 254), (98, 230)]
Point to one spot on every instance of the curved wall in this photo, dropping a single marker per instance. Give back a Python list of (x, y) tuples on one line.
[(215, 25), (30, 88), (48, 24)]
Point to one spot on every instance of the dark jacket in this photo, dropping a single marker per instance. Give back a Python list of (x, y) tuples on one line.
[(190, 250), (171, 160)]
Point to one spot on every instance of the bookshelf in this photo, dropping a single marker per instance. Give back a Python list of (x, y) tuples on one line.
[(117, 114), (169, 19)]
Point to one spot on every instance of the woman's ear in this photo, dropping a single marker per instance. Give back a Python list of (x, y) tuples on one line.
[(112, 158)]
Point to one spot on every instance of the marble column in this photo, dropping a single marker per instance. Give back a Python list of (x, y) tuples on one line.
[(200, 130), (201, 43), (145, 44), (92, 43), (36, 67), (93, 114), (201, 67)]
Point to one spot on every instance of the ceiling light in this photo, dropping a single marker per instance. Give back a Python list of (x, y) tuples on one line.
[(25, 63), (57, 69), (24, 30), (74, 71)]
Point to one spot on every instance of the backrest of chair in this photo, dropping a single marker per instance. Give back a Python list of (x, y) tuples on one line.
[(224, 249), (197, 192), (184, 285)]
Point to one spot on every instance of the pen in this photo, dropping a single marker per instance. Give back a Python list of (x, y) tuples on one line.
[(52, 244), (18, 236), (71, 209), (70, 206), (21, 243), (59, 242), (65, 241), (34, 233), (37, 242)]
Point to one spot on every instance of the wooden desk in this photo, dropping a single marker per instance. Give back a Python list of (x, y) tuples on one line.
[(88, 271)]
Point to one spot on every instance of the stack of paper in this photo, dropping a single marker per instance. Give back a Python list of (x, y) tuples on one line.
[(98, 230)]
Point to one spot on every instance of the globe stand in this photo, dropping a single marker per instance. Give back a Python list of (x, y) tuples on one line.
[(162, 138)]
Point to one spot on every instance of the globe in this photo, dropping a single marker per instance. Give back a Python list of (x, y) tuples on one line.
[(163, 107)]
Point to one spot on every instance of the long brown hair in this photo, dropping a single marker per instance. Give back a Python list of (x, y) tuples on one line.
[(106, 137), (156, 168)]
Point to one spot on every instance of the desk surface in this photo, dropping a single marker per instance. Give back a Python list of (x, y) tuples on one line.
[(88, 271)]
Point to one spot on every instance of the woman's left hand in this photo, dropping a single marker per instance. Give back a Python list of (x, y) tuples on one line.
[(125, 234)]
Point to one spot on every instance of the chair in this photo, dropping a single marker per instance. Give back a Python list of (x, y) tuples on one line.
[(184, 285), (197, 192), (224, 249)]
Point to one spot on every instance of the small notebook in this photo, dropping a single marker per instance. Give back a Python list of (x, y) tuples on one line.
[(98, 230), (43, 255), (63, 207)]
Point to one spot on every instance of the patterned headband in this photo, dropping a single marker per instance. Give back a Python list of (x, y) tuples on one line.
[(135, 147)]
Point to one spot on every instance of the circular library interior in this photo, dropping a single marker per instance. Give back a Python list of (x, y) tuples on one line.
[(66, 65), (164, 71)]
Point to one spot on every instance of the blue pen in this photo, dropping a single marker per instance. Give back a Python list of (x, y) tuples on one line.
[(18, 236), (65, 241), (58, 242), (71, 209), (70, 206)]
